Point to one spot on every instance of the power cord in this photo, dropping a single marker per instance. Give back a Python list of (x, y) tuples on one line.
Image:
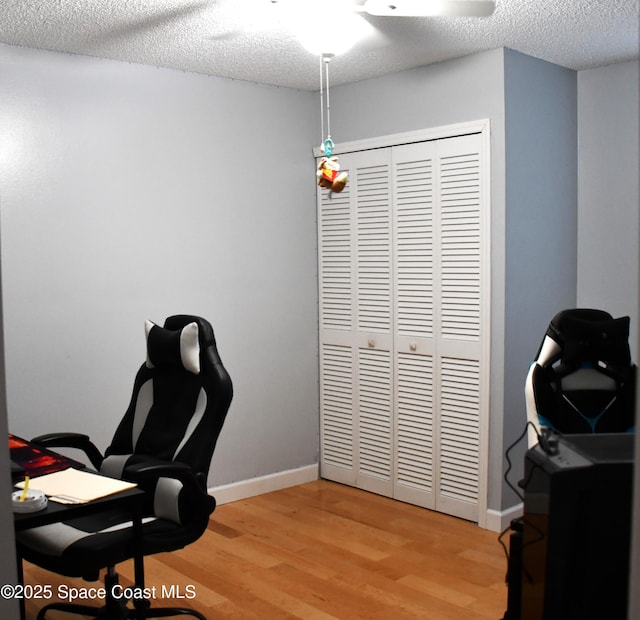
[(524, 484), (548, 440), (508, 458)]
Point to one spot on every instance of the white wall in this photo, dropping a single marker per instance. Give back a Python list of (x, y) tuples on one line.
[(608, 191), (131, 192)]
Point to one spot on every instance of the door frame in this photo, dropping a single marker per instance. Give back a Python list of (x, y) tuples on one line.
[(482, 127)]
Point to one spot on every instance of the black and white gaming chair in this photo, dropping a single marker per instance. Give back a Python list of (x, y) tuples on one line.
[(165, 443), (583, 380)]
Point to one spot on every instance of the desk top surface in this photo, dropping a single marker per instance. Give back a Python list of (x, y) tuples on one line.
[(38, 461), (55, 512)]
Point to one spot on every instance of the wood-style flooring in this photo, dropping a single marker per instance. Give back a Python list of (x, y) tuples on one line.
[(322, 551)]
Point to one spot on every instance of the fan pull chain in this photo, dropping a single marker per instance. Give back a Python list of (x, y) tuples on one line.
[(328, 171), (326, 72), (327, 143), (321, 102)]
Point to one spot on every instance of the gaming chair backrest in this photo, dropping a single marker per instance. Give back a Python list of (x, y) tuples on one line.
[(583, 380), (180, 398)]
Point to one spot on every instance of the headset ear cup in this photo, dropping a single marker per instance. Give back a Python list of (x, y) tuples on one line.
[(544, 395)]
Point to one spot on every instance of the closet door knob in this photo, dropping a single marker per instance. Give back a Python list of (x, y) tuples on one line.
[(371, 343), (413, 347)]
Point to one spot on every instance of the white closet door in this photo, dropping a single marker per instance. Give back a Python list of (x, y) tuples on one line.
[(338, 376), (461, 281), (413, 213), (437, 198), (355, 325), (403, 301), (372, 188)]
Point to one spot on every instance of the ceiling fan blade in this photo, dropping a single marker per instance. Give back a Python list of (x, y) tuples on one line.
[(430, 8), (139, 26)]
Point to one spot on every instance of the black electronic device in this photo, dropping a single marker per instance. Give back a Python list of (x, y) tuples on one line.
[(30, 459), (577, 528)]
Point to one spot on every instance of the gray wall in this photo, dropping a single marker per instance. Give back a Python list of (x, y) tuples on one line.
[(8, 574), (541, 220), (609, 218), (608, 190), (131, 192)]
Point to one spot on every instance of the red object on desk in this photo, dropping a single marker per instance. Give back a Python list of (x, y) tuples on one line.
[(29, 459)]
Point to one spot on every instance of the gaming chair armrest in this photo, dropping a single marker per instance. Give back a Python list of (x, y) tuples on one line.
[(164, 469), (194, 484), (71, 440)]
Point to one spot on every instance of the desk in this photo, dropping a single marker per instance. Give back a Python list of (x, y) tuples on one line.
[(54, 513), (130, 500)]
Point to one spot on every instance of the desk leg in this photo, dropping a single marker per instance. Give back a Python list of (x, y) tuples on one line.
[(23, 613), (138, 563)]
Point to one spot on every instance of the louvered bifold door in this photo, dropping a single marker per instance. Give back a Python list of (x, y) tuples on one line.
[(371, 186), (461, 311), (338, 379), (413, 198), (404, 323), (355, 325)]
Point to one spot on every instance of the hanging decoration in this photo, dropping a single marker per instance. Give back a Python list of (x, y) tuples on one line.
[(328, 172)]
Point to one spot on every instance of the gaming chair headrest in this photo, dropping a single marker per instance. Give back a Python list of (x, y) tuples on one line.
[(178, 321), (586, 336), (179, 343)]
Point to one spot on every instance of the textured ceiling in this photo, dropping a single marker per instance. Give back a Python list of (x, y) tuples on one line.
[(245, 39)]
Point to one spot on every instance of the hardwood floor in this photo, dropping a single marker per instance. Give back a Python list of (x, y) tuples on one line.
[(322, 551)]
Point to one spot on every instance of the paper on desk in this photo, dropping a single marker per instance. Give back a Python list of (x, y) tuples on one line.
[(72, 486)]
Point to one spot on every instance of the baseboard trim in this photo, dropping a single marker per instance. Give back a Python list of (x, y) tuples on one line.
[(498, 521), (243, 489)]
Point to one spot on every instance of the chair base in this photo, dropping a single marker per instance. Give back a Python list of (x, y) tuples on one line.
[(116, 609), (121, 612)]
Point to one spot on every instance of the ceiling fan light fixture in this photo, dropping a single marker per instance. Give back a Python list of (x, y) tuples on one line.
[(333, 31), (430, 8)]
